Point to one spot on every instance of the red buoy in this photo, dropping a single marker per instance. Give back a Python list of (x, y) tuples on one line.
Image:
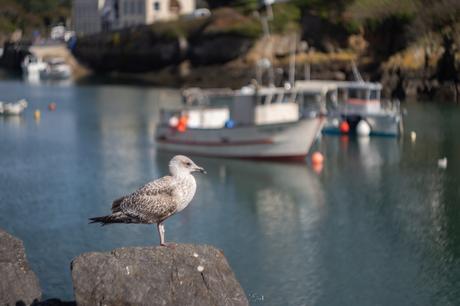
[(52, 106), (344, 127)]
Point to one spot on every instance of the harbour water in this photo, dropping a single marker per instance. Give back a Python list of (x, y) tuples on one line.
[(378, 225)]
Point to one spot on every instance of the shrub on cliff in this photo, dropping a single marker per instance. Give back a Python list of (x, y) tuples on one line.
[(286, 18), (231, 22), (31, 15)]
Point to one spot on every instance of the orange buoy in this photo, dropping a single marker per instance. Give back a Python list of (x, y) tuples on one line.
[(181, 128), (317, 168), (52, 106), (182, 125), (317, 158), (344, 127)]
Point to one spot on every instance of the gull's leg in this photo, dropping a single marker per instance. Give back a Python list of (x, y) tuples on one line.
[(161, 232)]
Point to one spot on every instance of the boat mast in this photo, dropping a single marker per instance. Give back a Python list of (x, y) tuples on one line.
[(292, 61), (265, 63), (356, 73)]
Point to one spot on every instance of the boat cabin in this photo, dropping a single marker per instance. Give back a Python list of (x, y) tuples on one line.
[(360, 96), (349, 97), (244, 107)]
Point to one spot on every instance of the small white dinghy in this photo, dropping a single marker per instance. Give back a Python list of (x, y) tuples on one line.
[(57, 69), (15, 108)]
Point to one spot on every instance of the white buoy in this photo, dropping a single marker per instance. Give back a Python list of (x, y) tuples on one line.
[(335, 122), (442, 163), (413, 136), (173, 121), (363, 128)]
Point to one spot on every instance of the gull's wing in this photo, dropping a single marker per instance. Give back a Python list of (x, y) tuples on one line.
[(152, 203)]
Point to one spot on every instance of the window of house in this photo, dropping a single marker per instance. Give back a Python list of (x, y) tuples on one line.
[(156, 5), (140, 7), (133, 7)]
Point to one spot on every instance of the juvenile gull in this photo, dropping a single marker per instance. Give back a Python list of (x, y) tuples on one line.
[(158, 200)]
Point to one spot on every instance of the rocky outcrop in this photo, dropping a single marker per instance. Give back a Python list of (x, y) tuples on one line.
[(146, 50), (178, 275), (18, 283), (225, 36), (322, 34), (128, 50), (13, 55), (214, 49)]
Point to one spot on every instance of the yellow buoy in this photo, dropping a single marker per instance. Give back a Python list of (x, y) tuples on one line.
[(413, 136), (37, 114)]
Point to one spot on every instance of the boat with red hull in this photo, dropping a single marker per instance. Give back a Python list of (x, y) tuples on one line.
[(263, 123)]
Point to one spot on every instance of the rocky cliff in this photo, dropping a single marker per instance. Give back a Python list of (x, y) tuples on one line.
[(205, 41)]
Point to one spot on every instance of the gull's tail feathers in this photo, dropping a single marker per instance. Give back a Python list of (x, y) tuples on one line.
[(113, 218)]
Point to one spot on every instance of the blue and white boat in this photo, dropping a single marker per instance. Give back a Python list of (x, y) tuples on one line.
[(355, 107)]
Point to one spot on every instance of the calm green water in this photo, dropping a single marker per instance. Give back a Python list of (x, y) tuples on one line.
[(379, 225)]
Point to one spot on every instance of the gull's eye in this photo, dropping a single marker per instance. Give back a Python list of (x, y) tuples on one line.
[(188, 164)]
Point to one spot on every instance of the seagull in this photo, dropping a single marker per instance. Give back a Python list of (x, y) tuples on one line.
[(442, 163), (158, 200)]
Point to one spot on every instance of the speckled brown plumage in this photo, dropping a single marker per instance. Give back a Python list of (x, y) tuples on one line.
[(157, 200)]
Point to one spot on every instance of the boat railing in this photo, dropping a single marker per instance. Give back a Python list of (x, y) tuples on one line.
[(391, 105), (198, 96), (175, 114)]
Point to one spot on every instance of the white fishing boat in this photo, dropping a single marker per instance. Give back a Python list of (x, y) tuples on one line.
[(13, 108), (254, 123), (57, 69), (32, 66), (356, 107)]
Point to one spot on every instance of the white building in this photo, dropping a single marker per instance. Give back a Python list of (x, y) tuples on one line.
[(135, 12), (92, 16)]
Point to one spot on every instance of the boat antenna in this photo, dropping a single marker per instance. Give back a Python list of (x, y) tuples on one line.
[(292, 60), (264, 19), (356, 73)]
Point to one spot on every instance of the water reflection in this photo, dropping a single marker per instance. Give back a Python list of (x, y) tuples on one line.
[(38, 82), (377, 226), (392, 209), (11, 121), (268, 210)]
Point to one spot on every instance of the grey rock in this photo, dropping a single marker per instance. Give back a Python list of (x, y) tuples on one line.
[(181, 275), (213, 49), (18, 283)]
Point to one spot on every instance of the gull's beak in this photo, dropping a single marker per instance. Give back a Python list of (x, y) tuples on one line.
[(199, 169)]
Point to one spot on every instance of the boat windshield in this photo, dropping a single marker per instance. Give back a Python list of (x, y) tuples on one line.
[(375, 95), (357, 93)]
